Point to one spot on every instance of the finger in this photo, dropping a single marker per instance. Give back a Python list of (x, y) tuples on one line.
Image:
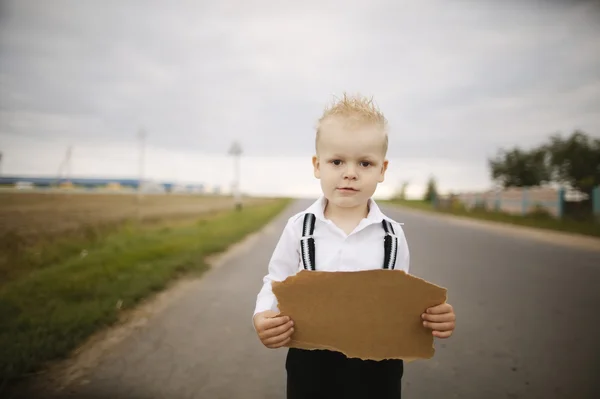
[(278, 338), (440, 318), (438, 309), (442, 334), (276, 341), (281, 344), (273, 332), (272, 322), (439, 326), (270, 313)]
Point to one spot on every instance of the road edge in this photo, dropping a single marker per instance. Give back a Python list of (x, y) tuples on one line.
[(57, 376), (571, 240)]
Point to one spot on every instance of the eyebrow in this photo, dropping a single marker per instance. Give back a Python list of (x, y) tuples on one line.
[(370, 158)]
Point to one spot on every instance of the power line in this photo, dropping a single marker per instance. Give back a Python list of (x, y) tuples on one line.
[(62, 142), (58, 140), (30, 136)]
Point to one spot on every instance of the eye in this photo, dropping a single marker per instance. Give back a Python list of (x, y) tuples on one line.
[(336, 162), (365, 164)]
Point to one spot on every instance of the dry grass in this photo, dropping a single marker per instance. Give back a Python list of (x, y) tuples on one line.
[(37, 229), (32, 214), (50, 310)]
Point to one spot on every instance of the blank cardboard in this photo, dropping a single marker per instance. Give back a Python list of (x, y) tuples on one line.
[(374, 314)]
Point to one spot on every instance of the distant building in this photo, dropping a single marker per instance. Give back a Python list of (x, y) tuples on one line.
[(114, 186), (23, 185), (29, 182)]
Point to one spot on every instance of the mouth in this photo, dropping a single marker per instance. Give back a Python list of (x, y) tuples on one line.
[(347, 189)]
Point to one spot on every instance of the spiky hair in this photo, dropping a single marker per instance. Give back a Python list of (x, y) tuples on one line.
[(354, 110)]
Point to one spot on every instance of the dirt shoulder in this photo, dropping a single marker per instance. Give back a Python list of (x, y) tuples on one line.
[(554, 237)]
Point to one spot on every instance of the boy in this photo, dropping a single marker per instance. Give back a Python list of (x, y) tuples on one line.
[(349, 233)]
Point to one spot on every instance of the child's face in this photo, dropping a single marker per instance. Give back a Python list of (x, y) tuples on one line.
[(350, 163)]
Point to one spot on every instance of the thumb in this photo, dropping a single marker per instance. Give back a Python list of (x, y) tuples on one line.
[(270, 314), (267, 314)]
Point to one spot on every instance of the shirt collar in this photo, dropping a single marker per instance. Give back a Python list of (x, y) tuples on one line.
[(375, 215)]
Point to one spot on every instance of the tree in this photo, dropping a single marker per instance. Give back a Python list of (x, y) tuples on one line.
[(401, 195), (403, 190), (575, 160), (431, 191), (520, 168)]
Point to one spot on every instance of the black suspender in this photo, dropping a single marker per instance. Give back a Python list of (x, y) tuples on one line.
[(390, 245), (307, 243)]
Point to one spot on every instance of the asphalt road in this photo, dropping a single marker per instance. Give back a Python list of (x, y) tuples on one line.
[(527, 324)]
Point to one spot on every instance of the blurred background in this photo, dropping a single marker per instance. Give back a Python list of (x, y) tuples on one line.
[(458, 82)]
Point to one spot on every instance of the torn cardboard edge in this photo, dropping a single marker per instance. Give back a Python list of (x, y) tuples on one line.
[(309, 346), (371, 314)]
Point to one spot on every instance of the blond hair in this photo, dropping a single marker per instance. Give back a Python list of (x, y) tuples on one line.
[(354, 111)]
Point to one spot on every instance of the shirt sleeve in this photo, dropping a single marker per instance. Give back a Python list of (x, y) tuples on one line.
[(403, 254), (284, 263)]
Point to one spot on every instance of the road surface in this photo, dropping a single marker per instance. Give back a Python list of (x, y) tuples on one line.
[(527, 324)]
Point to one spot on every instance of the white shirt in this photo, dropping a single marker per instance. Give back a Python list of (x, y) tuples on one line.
[(362, 249)]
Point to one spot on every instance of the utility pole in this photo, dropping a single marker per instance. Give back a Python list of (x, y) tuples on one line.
[(236, 151), (142, 138), (68, 164), (65, 166)]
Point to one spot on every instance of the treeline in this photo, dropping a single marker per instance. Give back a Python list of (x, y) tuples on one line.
[(572, 161)]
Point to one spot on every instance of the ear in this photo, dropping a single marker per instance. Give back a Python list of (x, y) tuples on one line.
[(384, 167), (317, 166)]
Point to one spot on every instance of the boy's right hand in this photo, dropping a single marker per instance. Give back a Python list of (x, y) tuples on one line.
[(273, 331)]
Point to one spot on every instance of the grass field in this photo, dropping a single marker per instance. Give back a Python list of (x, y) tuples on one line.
[(34, 214), (589, 228), (77, 284), (36, 229)]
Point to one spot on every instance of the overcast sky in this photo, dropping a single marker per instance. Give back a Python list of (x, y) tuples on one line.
[(456, 80)]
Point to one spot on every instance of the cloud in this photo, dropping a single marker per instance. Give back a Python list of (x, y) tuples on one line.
[(456, 81)]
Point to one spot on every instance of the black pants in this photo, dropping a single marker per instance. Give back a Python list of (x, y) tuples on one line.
[(320, 374)]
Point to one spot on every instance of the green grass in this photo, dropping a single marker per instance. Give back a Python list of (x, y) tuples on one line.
[(589, 228), (50, 311), (20, 256)]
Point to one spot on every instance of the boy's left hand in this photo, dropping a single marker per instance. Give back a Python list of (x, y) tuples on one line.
[(441, 319)]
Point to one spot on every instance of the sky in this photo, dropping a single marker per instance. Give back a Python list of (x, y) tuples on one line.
[(457, 81)]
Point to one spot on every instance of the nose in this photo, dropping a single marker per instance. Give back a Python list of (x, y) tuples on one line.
[(350, 173)]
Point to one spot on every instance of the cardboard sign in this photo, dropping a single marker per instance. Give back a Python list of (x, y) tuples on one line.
[(374, 314)]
